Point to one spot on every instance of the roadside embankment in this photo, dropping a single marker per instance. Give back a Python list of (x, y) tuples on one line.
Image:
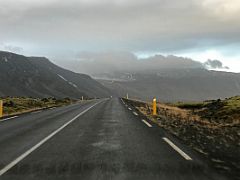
[(211, 128), (19, 105)]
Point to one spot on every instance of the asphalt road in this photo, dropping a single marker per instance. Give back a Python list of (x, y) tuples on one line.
[(103, 139)]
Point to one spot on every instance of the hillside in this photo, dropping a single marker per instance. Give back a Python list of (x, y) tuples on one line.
[(18, 105), (38, 77), (177, 85)]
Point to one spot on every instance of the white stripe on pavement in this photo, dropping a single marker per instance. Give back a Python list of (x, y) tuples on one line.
[(123, 101), (183, 154), (144, 121), (136, 114), (13, 163), (130, 109), (8, 118)]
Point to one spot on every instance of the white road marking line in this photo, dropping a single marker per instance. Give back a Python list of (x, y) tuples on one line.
[(35, 112), (123, 101), (24, 155), (183, 154), (130, 109), (8, 118), (136, 114), (149, 125)]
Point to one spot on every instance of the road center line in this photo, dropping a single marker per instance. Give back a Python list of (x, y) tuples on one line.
[(144, 121), (183, 154), (8, 118), (21, 157)]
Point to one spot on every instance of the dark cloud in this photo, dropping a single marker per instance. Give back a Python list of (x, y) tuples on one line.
[(59, 29), (136, 25), (110, 62), (214, 64)]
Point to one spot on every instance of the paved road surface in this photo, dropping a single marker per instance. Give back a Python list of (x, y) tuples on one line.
[(102, 139)]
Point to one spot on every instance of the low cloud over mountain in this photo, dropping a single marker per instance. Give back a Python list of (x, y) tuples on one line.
[(170, 78), (214, 64), (111, 62)]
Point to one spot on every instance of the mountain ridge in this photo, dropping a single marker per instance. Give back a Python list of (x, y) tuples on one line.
[(170, 78), (39, 77)]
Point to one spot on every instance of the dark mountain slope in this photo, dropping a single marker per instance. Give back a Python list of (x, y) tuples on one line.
[(178, 85), (170, 78), (38, 77)]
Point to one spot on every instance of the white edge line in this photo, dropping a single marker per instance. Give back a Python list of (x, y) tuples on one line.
[(183, 154), (8, 118), (136, 114), (21, 157), (145, 122)]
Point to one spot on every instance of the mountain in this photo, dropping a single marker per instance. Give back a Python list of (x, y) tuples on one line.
[(177, 85), (169, 78), (38, 77)]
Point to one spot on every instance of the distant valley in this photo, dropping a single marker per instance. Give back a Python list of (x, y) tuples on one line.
[(169, 78)]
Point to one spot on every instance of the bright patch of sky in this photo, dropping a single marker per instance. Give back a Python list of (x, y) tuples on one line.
[(230, 61)]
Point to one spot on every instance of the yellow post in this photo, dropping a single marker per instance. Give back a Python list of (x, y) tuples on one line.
[(1, 108), (154, 106)]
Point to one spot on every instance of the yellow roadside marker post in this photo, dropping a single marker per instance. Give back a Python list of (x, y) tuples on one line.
[(154, 106), (1, 108)]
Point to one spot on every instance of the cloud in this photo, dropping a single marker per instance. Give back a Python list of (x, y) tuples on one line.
[(222, 8), (11, 48), (160, 25), (61, 28), (214, 64), (112, 62)]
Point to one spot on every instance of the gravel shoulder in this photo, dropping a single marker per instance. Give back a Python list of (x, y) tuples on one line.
[(211, 128)]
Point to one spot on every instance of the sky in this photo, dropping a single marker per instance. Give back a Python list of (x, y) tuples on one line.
[(199, 29)]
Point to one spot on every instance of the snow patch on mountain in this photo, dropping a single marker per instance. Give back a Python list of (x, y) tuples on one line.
[(69, 82)]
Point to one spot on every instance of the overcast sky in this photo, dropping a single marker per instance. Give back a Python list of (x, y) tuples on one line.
[(200, 29)]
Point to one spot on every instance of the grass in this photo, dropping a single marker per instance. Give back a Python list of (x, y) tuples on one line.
[(209, 127), (221, 111), (194, 105), (15, 105), (233, 103)]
